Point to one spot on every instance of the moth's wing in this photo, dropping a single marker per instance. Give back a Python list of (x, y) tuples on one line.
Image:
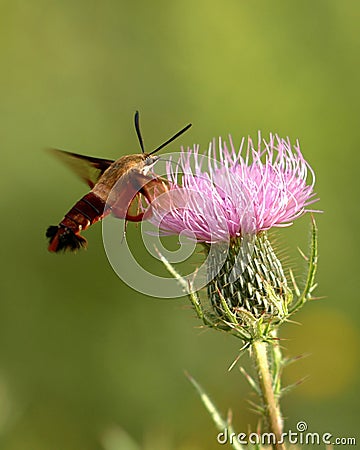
[(125, 196), (87, 168), (136, 194), (154, 187)]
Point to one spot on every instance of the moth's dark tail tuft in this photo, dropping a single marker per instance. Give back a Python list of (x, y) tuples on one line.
[(62, 239), (51, 232)]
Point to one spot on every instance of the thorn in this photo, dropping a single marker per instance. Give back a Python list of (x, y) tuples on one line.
[(186, 307), (319, 298), (296, 288), (313, 221), (233, 364), (293, 322), (241, 351), (188, 376), (288, 361), (290, 387), (302, 380), (279, 339), (257, 409), (229, 417), (258, 427), (250, 380), (303, 254), (195, 273)]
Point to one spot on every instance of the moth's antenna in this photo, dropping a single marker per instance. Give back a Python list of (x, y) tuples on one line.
[(179, 133), (138, 132)]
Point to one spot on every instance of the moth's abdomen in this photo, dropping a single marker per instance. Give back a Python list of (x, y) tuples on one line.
[(66, 236)]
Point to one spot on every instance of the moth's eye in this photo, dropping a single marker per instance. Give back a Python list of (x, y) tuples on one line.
[(151, 160)]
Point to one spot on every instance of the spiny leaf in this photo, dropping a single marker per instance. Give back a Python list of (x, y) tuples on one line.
[(257, 409), (241, 352), (220, 423), (290, 387), (291, 360), (295, 286), (251, 381), (312, 267)]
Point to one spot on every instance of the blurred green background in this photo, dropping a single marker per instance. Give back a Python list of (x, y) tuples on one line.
[(83, 356)]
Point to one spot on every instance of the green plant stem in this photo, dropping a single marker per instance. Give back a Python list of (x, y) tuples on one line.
[(271, 406)]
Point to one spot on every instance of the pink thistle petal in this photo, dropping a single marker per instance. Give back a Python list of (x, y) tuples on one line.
[(241, 192)]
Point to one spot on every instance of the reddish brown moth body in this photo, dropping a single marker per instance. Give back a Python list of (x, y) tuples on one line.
[(115, 187)]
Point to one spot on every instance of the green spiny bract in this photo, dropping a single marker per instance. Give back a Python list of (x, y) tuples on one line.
[(248, 282)]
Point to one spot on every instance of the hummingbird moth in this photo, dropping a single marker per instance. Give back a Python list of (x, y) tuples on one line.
[(115, 188)]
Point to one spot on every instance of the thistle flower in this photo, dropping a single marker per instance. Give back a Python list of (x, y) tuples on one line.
[(244, 192), (233, 197)]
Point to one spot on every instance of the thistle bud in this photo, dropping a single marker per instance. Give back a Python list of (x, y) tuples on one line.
[(250, 280)]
